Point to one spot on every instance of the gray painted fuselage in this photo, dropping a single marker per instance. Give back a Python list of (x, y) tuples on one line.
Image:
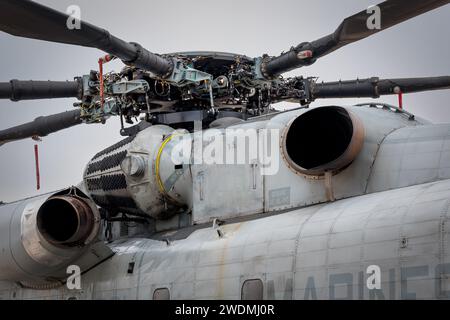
[(391, 211)]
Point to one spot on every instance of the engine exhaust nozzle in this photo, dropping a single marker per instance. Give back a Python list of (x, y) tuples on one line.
[(65, 221), (322, 139)]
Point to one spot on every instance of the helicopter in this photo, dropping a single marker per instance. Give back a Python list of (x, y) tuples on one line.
[(214, 194)]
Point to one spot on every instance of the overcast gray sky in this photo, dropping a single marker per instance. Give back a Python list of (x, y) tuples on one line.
[(418, 47)]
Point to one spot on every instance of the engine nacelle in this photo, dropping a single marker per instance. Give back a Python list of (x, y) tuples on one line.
[(41, 236), (322, 139)]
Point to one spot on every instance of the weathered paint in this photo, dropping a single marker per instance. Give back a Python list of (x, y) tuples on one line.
[(315, 249), (316, 252)]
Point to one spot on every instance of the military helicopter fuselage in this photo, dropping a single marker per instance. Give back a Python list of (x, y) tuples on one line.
[(293, 234), (214, 194)]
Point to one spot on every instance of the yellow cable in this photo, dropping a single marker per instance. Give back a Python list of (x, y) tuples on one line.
[(157, 161)]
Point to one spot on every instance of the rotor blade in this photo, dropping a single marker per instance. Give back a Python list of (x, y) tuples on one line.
[(41, 126), (374, 87), (352, 29), (28, 19), (27, 90)]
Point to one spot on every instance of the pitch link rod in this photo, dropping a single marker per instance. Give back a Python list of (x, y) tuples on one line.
[(375, 87)]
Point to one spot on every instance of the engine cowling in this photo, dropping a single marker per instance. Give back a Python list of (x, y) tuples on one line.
[(41, 236), (137, 176)]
